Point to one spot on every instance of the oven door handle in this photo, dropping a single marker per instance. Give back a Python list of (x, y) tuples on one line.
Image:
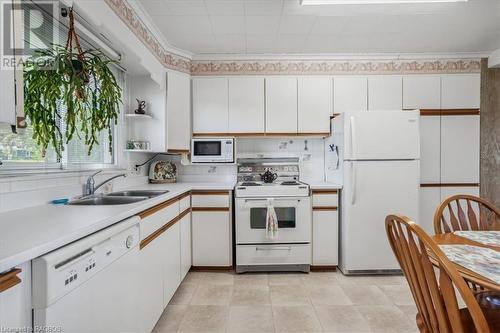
[(275, 200), (274, 248)]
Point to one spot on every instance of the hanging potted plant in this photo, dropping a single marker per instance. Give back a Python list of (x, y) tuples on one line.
[(78, 81)]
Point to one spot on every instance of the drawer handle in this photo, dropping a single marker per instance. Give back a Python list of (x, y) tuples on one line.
[(274, 248)]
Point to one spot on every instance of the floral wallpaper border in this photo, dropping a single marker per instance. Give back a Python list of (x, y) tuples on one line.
[(129, 16), (284, 67), (334, 67)]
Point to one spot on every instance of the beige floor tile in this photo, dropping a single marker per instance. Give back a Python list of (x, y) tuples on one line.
[(289, 295), (346, 319), (193, 277), (251, 295), (399, 294), (295, 319), (410, 311), (171, 319), (387, 319), (250, 319), (369, 279), (218, 278), (366, 295), (208, 294), (205, 318), (251, 279), (285, 278), (327, 295), (184, 294), (317, 278)]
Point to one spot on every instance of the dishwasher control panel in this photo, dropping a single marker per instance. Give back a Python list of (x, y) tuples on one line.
[(61, 271)]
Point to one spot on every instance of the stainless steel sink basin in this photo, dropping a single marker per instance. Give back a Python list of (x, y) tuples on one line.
[(107, 200), (137, 193)]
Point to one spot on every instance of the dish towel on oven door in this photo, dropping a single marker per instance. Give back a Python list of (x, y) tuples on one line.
[(271, 221)]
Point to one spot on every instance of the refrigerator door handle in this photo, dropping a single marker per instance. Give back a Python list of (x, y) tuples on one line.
[(353, 137), (353, 182)]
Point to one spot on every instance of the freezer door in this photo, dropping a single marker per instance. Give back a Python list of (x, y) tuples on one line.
[(373, 190), (382, 135)]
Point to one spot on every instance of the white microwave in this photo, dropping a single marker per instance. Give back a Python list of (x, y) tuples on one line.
[(212, 150)]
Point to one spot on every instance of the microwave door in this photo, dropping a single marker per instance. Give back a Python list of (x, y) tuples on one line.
[(208, 148)]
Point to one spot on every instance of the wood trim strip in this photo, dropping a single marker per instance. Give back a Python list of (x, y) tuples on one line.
[(209, 192), (162, 229), (184, 213), (320, 268), (178, 151), (448, 112), (9, 279), (325, 208), (158, 207), (321, 134), (210, 209), (450, 185), (325, 192), (182, 196), (211, 268)]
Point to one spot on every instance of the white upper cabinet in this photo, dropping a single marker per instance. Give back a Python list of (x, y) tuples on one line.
[(7, 97), (246, 105), (314, 104), (460, 149), (430, 149), (178, 111), (460, 91), (421, 92), (350, 93), (385, 92), (210, 105), (281, 105)]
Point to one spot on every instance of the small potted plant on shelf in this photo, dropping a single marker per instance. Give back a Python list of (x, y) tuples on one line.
[(79, 80)]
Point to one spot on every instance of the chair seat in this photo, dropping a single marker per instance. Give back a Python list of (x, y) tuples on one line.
[(484, 299), (492, 318)]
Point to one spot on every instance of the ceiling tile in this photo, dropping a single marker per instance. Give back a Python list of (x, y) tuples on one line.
[(183, 25), (225, 7), (228, 24), (158, 7), (230, 43), (263, 7), (262, 24), (295, 24), (198, 43), (325, 25), (260, 43), (184, 7), (290, 43)]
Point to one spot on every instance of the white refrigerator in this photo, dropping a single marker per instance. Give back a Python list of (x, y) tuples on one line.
[(378, 165)]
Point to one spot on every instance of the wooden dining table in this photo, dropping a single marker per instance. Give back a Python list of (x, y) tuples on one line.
[(452, 239)]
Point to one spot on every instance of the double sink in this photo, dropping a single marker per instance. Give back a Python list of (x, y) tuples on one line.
[(117, 198)]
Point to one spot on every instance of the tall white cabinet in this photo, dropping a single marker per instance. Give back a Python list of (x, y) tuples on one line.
[(350, 94), (385, 92), (314, 104)]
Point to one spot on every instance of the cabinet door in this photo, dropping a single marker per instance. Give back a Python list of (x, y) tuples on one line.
[(178, 111), (460, 91), (430, 149), (460, 149), (325, 238), (171, 261), (15, 302), (421, 92), (430, 198), (211, 238), (385, 92), (447, 192), (185, 224), (314, 104), (210, 105), (7, 97), (281, 105), (350, 93), (246, 105)]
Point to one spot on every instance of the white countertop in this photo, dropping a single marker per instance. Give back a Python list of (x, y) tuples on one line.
[(321, 185), (31, 232)]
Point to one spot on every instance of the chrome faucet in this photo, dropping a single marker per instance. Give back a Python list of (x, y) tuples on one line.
[(90, 186)]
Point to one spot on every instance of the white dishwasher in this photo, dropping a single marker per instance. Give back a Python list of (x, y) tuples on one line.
[(91, 285)]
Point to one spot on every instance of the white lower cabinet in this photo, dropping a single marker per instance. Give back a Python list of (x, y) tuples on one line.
[(185, 226), (211, 238), (430, 198), (325, 238), (430, 149), (15, 302), (171, 261)]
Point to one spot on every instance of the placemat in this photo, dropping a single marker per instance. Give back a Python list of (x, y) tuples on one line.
[(484, 237), (481, 260)]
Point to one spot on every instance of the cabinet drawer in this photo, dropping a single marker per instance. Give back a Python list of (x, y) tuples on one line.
[(152, 220), (273, 254), (325, 198), (210, 199), (185, 203)]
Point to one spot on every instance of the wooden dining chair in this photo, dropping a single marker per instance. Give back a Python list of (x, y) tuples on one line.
[(466, 212), (434, 290)]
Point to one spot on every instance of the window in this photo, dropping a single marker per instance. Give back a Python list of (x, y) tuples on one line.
[(20, 151)]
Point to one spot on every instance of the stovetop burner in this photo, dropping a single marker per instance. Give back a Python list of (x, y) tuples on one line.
[(290, 182), (250, 184)]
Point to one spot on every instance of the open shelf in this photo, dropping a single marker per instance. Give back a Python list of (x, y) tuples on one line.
[(138, 116), (138, 150)]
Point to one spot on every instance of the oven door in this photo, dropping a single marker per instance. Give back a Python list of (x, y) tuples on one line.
[(294, 220)]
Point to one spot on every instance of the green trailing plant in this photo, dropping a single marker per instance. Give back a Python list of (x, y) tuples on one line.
[(80, 81)]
